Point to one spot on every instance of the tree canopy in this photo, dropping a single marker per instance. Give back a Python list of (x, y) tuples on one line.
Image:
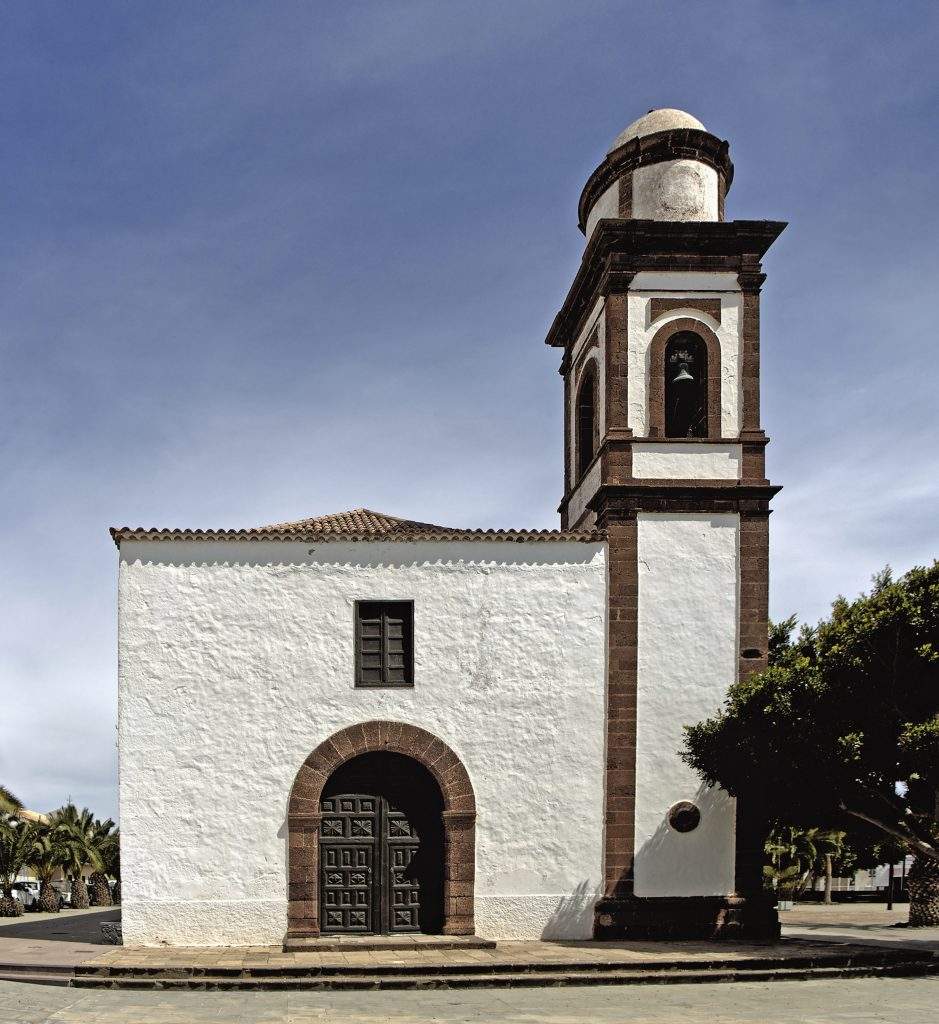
[(9, 802), (843, 727)]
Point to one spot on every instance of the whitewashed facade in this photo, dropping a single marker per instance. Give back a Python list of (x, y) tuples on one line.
[(530, 687)]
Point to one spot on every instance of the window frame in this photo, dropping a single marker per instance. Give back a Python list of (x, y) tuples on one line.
[(589, 378), (408, 627), (655, 380), (699, 363)]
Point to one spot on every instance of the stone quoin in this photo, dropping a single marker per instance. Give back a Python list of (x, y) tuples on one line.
[(360, 724)]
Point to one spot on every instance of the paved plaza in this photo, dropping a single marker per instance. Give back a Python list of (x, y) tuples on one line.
[(72, 937), (862, 1001)]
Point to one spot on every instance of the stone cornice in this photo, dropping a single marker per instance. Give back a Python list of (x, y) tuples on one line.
[(616, 501)]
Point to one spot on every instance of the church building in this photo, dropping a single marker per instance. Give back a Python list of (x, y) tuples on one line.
[(360, 724)]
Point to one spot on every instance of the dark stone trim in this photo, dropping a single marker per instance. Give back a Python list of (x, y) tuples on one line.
[(618, 249), (568, 467), (750, 280), (674, 144), (615, 449), (626, 195), (657, 374), (303, 817), (622, 649), (687, 917), (754, 591), (659, 307), (615, 501), (753, 459), (697, 440), (752, 657)]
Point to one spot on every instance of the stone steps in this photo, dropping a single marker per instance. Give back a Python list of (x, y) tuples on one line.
[(505, 975), (37, 974), (383, 943)]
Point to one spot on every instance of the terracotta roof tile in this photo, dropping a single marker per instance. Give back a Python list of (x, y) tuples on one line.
[(356, 520), (358, 524)]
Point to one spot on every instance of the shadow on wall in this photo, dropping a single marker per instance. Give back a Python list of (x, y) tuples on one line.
[(696, 863), (572, 918)]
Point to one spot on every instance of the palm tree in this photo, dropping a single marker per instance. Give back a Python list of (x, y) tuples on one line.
[(16, 842), (49, 852), (112, 863), (107, 846), (830, 844), (9, 804), (798, 855), (83, 837), (793, 852)]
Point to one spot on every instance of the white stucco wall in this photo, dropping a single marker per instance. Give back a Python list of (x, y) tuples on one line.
[(236, 660), (687, 462), (585, 490), (641, 332), (606, 206), (685, 281), (686, 660), (675, 190)]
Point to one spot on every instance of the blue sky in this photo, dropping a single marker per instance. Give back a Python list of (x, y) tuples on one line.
[(263, 261)]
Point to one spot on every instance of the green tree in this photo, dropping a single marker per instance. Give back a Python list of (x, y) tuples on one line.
[(830, 845), (106, 841), (83, 838), (9, 803), (792, 853), (843, 728), (111, 851), (16, 842), (49, 851), (781, 643)]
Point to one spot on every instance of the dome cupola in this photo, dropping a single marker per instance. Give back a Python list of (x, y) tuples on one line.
[(665, 166)]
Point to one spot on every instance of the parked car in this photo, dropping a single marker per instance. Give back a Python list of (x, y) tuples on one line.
[(65, 897), (27, 893)]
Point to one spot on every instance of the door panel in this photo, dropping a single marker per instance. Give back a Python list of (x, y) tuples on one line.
[(349, 834), (367, 882), (401, 882), (381, 847)]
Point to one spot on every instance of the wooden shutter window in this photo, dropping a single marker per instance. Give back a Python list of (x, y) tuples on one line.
[(384, 643)]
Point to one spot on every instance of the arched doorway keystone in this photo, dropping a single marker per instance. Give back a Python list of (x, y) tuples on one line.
[(304, 818)]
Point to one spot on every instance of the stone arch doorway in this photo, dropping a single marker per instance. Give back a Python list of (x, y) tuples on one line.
[(381, 847), (317, 780)]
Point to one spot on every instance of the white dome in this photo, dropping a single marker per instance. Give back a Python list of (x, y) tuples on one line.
[(661, 120)]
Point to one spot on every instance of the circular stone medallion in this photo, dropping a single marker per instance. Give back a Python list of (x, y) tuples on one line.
[(684, 816)]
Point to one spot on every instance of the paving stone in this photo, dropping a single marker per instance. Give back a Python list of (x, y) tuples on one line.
[(876, 1001)]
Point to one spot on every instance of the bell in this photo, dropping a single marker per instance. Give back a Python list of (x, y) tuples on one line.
[(682, 375)]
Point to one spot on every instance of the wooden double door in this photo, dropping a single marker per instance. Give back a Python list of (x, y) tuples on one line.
[(381, 848)]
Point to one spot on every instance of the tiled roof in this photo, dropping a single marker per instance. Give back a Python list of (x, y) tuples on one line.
[(356, 520), (359, 524)]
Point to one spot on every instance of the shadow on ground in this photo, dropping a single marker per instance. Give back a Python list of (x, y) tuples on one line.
[(66, 926)]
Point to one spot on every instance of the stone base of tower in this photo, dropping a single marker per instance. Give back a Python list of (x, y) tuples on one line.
[(738, 918)]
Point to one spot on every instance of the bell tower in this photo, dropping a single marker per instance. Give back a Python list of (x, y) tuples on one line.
[(664, 451)]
